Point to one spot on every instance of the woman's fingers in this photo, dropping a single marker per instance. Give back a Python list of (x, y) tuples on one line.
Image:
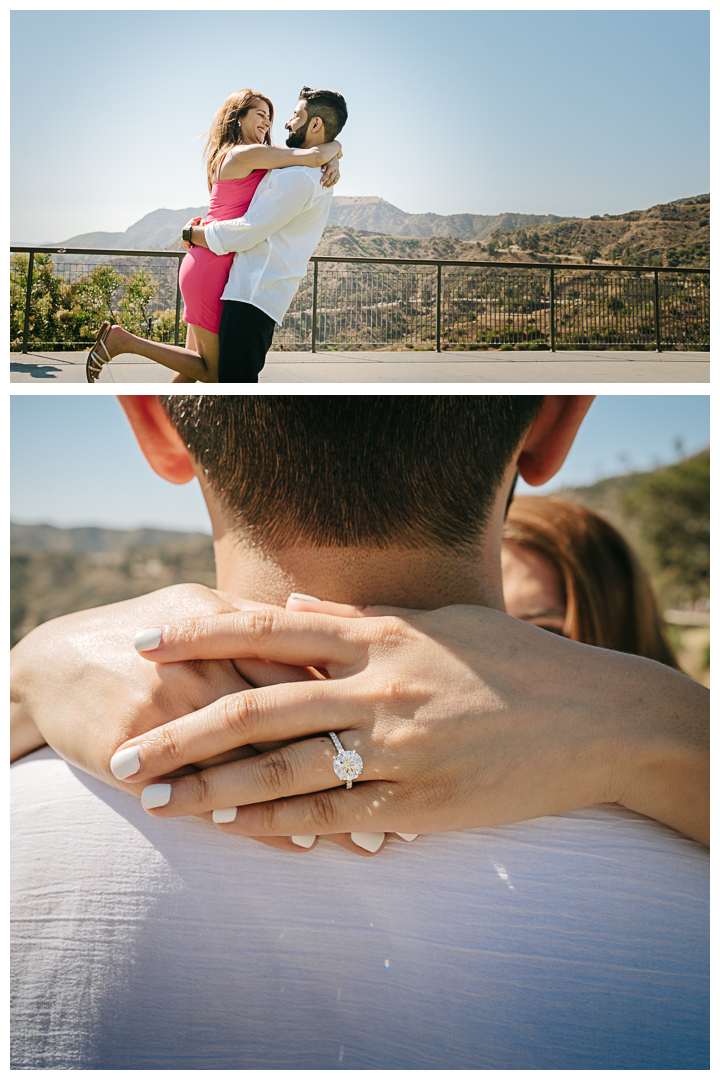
[(357, 843), (256, 716), (301, 602), (310, 604), (366, 810), (294, 769), (267, 634)]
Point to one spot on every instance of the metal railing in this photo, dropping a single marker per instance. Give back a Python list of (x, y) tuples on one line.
[(351, 302), (104, 295)]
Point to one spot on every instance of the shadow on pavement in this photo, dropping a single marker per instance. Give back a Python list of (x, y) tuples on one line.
[(37, 371)]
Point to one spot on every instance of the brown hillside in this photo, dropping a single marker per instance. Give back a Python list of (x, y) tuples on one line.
[(340, 240), (670, 234)]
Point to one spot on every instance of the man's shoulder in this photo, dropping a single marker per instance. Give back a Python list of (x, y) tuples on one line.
[(304, 178), (296, 175)]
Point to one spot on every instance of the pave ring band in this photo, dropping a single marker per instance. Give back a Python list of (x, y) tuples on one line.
[(347, 764)]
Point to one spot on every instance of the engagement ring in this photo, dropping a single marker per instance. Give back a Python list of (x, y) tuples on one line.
[(347, 764)]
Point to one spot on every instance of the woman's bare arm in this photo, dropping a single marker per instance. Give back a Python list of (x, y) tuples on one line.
[(242, 160), (478, 718), (517, 723)]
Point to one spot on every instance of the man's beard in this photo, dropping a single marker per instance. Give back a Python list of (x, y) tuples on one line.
[(296, 138)]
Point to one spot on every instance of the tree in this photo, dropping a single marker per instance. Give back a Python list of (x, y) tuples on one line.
[(671, 507), (164, 326), (137, 298), (46, 298), (91, 300)]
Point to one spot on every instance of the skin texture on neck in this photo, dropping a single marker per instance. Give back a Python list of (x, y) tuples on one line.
[(421, 578), (415, 578)]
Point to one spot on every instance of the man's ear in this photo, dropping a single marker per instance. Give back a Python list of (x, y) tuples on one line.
[(159, 441), (551, 436)]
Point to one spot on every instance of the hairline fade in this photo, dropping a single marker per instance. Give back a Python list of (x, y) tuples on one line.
[(341, 471), (329, 106)]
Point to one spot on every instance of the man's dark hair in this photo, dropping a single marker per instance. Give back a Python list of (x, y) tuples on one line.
[(341, 471), (329, 106)]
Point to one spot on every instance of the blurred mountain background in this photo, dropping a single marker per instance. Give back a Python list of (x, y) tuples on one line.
[(664, 513), (670, 234)]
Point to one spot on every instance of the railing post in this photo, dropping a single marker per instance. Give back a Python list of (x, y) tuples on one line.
[(178, 297), (552, 308), (28, 296), (314, 307), (438, 309), (658, 343)]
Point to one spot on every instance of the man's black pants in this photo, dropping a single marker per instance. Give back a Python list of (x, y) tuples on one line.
[(245, 335)]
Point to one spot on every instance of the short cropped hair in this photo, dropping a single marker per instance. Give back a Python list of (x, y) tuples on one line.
[(329, 106), (408, 471)]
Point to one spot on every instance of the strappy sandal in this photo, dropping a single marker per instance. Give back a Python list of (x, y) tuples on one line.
[(95, 361)]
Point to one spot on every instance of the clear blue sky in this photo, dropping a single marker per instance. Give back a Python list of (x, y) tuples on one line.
[(75, 462), (565, 112)]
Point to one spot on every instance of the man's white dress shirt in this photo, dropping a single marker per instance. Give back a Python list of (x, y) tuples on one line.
[(570, 942), (274, 239)]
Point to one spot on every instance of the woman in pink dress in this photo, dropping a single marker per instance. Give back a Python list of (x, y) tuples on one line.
[(238, 153)]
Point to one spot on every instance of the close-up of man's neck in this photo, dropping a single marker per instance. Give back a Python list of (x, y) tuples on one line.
[(427, 577)]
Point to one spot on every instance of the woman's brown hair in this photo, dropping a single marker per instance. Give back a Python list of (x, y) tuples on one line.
[(609, 599), (225, 130)]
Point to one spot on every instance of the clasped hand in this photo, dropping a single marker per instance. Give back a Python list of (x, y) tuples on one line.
[(389, 679), (464, 717)]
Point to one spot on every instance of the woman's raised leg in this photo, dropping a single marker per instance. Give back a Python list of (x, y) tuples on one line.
[(189, 344), (200, 364)]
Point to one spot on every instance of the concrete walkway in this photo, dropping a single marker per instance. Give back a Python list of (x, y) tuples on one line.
[(46, 368)]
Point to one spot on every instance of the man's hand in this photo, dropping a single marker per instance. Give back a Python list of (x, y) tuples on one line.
[(463, 717), (195, 224)]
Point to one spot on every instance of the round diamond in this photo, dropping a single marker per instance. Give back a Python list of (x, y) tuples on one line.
[(348, 765)]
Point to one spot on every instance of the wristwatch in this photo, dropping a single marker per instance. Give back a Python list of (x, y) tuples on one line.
[(187, 235)]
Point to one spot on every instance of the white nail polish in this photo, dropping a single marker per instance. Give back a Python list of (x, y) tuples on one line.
[(408, 835), (125, 762), (156, 795), (368, 841), (225, 816), (304, 596), (303, 841), (147, 640)]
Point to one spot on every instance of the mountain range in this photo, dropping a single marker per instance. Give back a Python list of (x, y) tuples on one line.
[(91, 540), (161, 228), (676, 233)]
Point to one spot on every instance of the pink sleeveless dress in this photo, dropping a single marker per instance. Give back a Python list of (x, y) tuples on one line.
[(203, 275)]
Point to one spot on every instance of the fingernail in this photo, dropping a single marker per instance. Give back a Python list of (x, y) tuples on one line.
[(303, 841), (156, 795), (304, 596), (407, 835), (147, 640), (368, 841), (125, 763), (225, 816)]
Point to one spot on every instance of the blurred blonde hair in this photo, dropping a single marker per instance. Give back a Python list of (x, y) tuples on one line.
[(225, 130), (609, 599)]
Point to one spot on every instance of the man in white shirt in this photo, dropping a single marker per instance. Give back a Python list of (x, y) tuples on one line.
[(150, 941), (272, 241)]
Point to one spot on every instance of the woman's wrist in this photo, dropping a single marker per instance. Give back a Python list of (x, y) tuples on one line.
[(24, 734), (662, 762)]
